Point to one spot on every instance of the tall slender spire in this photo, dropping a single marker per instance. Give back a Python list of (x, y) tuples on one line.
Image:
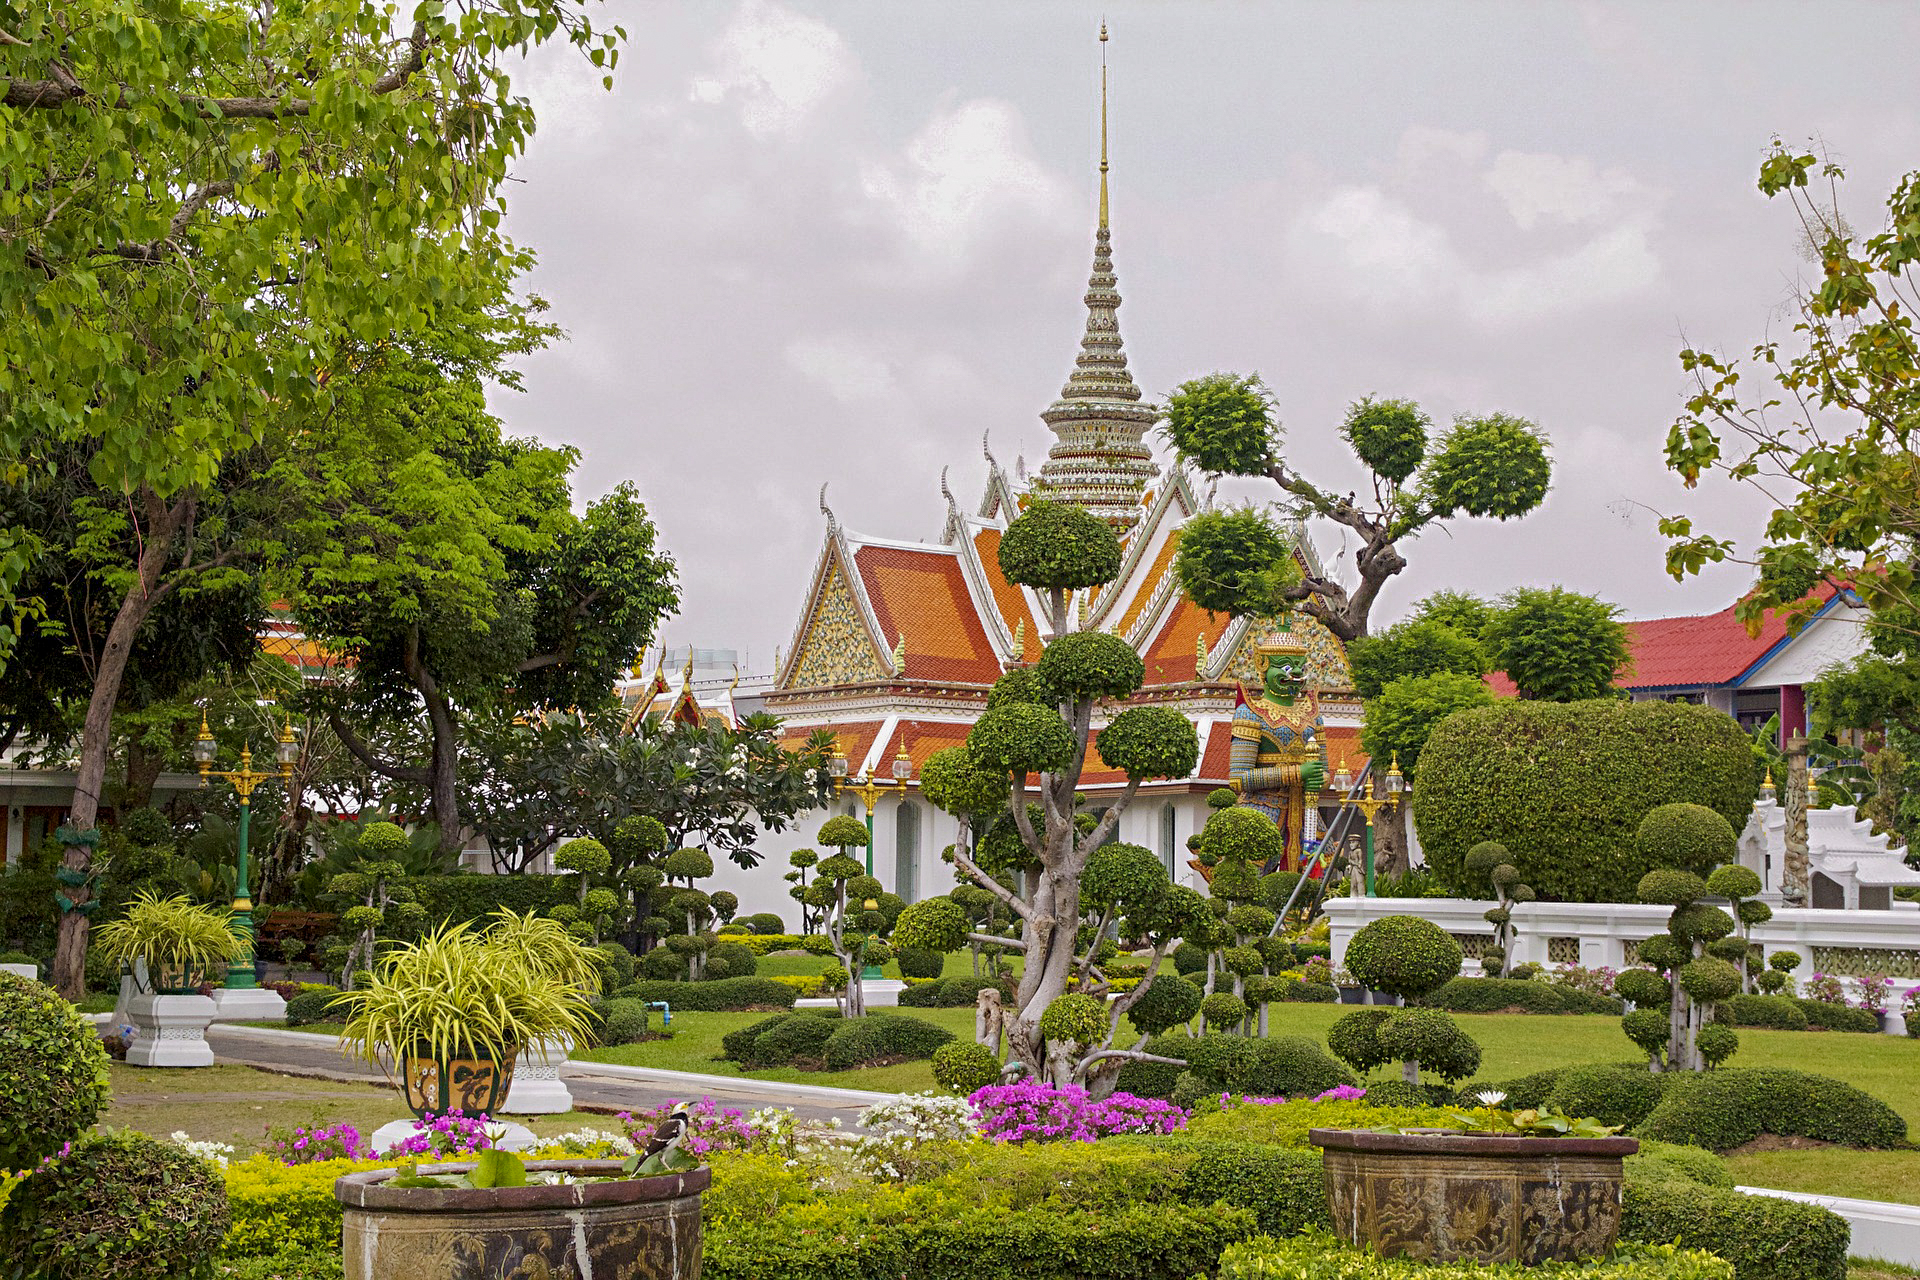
[(1100, 460)]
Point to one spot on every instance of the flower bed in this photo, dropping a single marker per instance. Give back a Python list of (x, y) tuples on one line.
[(1029, 1112)]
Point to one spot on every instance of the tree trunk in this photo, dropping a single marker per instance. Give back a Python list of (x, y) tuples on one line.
[(143, 771), (1410, 1071), (70, 953)]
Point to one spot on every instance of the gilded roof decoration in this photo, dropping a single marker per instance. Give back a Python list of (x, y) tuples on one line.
[(1326, 657), (835, 648)]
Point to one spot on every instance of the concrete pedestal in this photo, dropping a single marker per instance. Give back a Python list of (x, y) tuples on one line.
[(516, 1137), (31, 972), (170, 1031), (537, 1088), (252, 1004)]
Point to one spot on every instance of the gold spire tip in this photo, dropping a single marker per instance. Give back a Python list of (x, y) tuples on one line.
[(1103, 124)]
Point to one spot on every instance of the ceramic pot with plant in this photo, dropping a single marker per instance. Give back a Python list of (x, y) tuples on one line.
[(182, 943), (450, 1013)]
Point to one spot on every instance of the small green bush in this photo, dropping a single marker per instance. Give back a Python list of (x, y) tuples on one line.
[(1189, 958), (1667, 1162), (949, 993), (1283, 1189), (1076, 1017), (1589, 1002), (920, 962), (802, 1036), (1155, 1079), (1497, 995), (310, 1007), (623, 1021), (1621, 1096), (118, 1206), (1404, 956), (1321, 1257), (1168, 1002), (717, 996), (616, 965), (1285, 1067), (962, 1066), (878, 1036), (731, 960), (1721, 1110), (1837, 1017), (1762, 1237), (54, 1079)]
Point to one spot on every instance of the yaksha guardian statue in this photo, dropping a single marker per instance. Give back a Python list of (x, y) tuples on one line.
[(1279, 754)]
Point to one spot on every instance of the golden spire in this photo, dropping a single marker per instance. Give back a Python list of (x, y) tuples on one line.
[(1103, 123)]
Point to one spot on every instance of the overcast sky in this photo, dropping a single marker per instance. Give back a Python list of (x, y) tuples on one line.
[(813, 242)]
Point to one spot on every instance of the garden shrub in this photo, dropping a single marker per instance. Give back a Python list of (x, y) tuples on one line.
[(1621, 1096), (286, 1208), (1287, 1126), (1497, 995), (1764, 1238), (961, 991), (1189, 958), (803, 1035), (766, 943), (1779, 1013), (765, 923), (920, 962), (717, 996), (1578, 1001), (1285, 1067), (1321, 1257), (118, 1206), (1565, 785), (1721, 1110), (309, 1007), (962, 1066), (1284, 1189), (919, 995), (53, 1072), (1403, 956), (1398, 1093), (662, 965), (738, 1043), (474, 897), (1668, 1162), (623, 1021), (291, 1265), (859, 1041), (1523, 1092), (1156, 1079), (730, 960), (1837, 1017), (616, 965), (1311, 993)]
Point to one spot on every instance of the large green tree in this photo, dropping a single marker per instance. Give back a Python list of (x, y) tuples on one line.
[(203, 200), (1494, 465), (1557, 645)]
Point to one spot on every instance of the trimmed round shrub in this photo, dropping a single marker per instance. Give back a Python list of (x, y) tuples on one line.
[(1077, 1017), (1689, 837), (1390, 436), (736, 958), (1648, 1028), (1404, 956), (1482, 858), (1057, 545), (1665, 952), (1242, 833), (623, 1022), (932, 925), (1837, 1017), (1313, 993), (1724, 1109), (697, 864), (1019, 737), (962, 1066), (310, 1007), (918, 962), (1671, 886), (616, 965), (1497, 995), (1355, 1039), (1189, 958), (1578, 1001), (1700, 922), (765, 923), (804, 1035), (55, 1077), (1668, 1162), (1150, 742), (1764, 1238), (1155, 1079), (662, 965), (1285, 1067), (738, 1043), (717, 996), (1708, 980), (1090, 664), (1621, 1096), (880, 1037), (1432, 1039), (1223, 1009), (1717, 1042), (584, 855), (1242, 961), (1734, 881), (1170, 1000), (119, 1206), (1597, 767)]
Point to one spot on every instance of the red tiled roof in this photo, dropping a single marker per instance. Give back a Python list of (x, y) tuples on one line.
[(1216, 752), (923, 738), (1009, 599), (1169, 659), (924, 595)]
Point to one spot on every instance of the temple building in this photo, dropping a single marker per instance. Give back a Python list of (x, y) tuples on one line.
[(897, 642)]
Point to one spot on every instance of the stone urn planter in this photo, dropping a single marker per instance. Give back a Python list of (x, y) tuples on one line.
[(621, 1229), (169, 1031), (537, 1086), (475, 1085), (1440, 1196)]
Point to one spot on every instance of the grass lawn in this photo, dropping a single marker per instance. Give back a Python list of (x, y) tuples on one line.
[(1834, 1171), (238, 1104)]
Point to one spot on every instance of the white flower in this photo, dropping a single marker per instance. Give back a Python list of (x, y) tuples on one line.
[(216, 1152), (1491, 1097)]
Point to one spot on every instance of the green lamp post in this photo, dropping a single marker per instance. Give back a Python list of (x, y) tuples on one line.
[(1368, 804), (869, 790), (244, 780)]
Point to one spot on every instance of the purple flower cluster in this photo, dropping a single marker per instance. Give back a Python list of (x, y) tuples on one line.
[(709, 1128), (1876, 991), (1598, 981), (1031, 1112), (1339, 1093), (1826, 988), (334, 1142), (453, 1133)]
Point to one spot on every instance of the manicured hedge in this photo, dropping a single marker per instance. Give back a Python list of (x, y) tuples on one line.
[(1522, 1091), (1763, 1237), (950, 993), (1279, 1066), (1621, 1096), (1723, 1109), (1667, 1162), (720, 995), (776, 1041), (1838, 1017), (1321, 1257), (1283, 1189), (471, 897), (1778, 1013), (858, 1041), (310, 1007), (1564, 785), (1496, 995)]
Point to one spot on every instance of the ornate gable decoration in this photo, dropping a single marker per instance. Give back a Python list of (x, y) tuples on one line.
[(834, 646), (1326, 660)]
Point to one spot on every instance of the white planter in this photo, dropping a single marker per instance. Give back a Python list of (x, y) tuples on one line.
[(253, 1004), (170, 1031), (537, 1088)]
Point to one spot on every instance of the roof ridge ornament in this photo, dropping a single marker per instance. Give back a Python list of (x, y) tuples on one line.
[(833, 525)]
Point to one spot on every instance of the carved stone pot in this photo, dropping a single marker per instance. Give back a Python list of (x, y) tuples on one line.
[(475, 1085), (1442, 1196), (624, 1229)]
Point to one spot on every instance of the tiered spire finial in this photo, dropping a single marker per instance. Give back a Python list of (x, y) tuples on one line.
[(1100, 460)]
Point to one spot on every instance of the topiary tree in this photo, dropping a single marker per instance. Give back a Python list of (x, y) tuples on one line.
[(1684, 836), (55, 1082), (1556, 645), (1779, 973), (382, 906), (1403, 956), (587, 859), (1597, 767), (1489, 859), (1431, 1039), (1741, 887), (801, 860), (1057, 547), (842, 891), (1492, 466)]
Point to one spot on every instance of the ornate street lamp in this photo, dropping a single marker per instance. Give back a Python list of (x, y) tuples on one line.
[(244, 779), (1394, 787), (869, 790), (1768, 792)]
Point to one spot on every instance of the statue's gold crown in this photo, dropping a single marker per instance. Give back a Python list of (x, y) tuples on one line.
[(1283, 642)]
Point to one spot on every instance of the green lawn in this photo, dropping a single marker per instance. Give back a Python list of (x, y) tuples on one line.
[(1834, 1171)]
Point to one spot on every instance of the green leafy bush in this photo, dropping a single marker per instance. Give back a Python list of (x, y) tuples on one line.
[(1621, 1096), (949, 993), (1522, 1092), (1285, 1067), (1668, 1162), (1564, 787), (1762, 1237), (878, 1036), (919, 962), (117, 1207), (1687, 837), (1056, 545), (961, 1066), (1721, 1110), (54, 1080), (1321, 1257), (1404, 956), (1778, 1013), (1075, 1016), (731, 960), (1283, 1189), (310, 1007), (802, 1036), (1398, 1093), (472, 897), (623, 1021), (1497, 995), (1287, 1126), (717, 996), (1169, 1001), (1837, 1017)]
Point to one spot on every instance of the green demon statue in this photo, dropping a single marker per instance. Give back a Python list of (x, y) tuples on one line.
[(1279, 754)]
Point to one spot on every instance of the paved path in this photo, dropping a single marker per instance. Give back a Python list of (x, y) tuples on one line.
[(595, 1088)]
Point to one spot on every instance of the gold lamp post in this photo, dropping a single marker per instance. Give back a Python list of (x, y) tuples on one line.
[(1369, 804), (244, 779), (869, 790)]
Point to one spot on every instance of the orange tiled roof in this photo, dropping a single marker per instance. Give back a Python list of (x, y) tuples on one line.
[(1169, 658), (855, 738), (923, 738), (1150, 583), (1216, 752), (1009, 599), (924, 595)]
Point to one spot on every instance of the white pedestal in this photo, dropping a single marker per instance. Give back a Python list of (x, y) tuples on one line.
[(537, 1088), (31, 972), (517, 1137), (170, 1031), (254, 1004)]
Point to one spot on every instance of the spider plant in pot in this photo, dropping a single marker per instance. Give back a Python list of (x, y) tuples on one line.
[(181, 942), (452, 1011)]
